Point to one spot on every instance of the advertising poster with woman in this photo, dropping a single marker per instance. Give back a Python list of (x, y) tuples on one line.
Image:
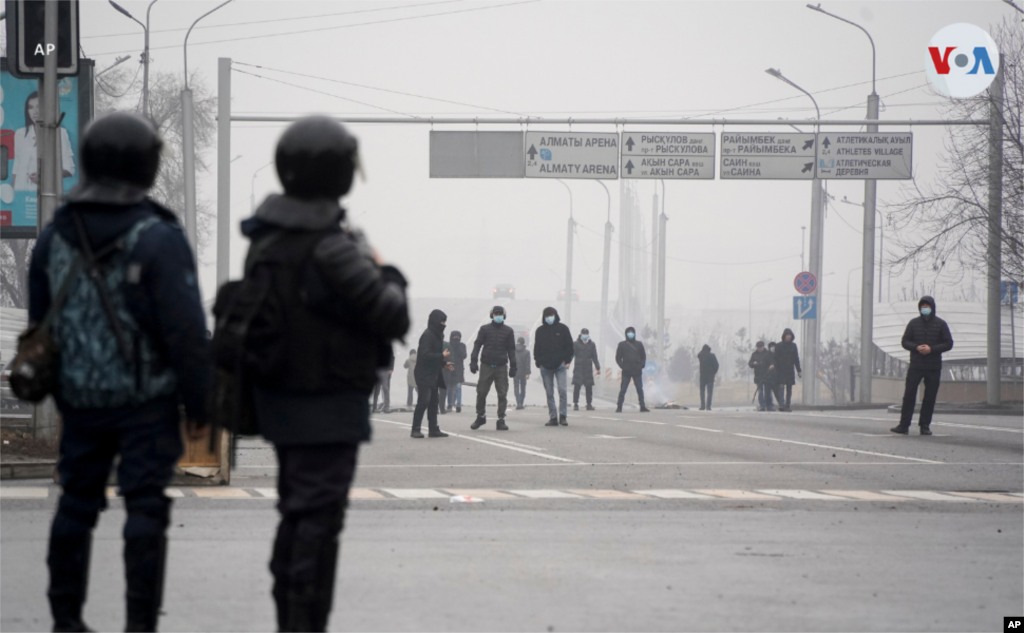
[(20, 115)]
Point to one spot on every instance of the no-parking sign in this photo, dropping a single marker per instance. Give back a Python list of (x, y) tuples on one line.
[(805, 283)]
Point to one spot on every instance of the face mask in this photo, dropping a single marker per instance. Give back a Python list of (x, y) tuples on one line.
[(499, 319), (926, 311), (549, 320), (630, 335), (585, 337)]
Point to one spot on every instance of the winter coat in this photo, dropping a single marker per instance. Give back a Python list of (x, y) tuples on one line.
[(631, 356), (430, 360), (585, 354), (772, 376), (165, 302), (708, 365), (457, 358), (787, 358), (552, 345), (927, 330), (498, 343), (366, 306), (523, 359), (760, 361), (410, 371)]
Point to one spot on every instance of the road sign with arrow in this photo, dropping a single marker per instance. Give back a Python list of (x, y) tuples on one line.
[(805, 307), (668, 155), (865, 155), (764, 156), (586, 155)]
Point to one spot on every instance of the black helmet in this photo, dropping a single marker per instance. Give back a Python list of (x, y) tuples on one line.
[(316, 158), (121, 149)]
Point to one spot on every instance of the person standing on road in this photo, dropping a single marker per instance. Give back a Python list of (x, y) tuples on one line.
[(442, 382), (341, 308), (787, 358), (584, 369), (431, 362), (927, 338), (760, 361), (553, 351), (410, 376), (383, 386), (771, 384), (708, 368), (631, 357), (498, 358), (525, 360), (454, 379), (133, 348)]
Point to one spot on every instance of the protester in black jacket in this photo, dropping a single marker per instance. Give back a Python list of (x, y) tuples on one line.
[(708, 368), (787, 358), (552, 352), (453, 379), (927, 337), (584, 368), (431, 361), (771, 381), (496, 350), (631, 357), (524, 360), (760, 361)]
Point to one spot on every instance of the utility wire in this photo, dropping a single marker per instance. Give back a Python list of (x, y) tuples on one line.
[(328, 94)]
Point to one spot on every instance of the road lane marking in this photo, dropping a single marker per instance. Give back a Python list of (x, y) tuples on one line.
[(739, 494), (479, 493), (488, 442), (545, 494), (364, 493), (222, 493), (673, 494), (894, 419), (984, 428), (611, 437), (839, 448), (803, 494), (511, 443), (990, 496), (23, 492), (415, 493), (865, 495), (608, 494), (268, 493), (174, 493), (699, 428), (594, 417), (648, 422), (928, 495)]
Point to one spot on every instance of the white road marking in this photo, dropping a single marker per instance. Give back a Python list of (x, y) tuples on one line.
[(268, 493), (803, 494), (222, 493), (894, 419), (545, 494), (673, 494), (984, 428), (928, 495), (739, 494), (607, 494), (483, 441), (594, 417), (699, 428), (611, 437), (174, 493), (511, 443), (990, 496), (864, 495), (838, 448), (23, 492), (364, 493), (648, 422), (479, 493), (415, 493)]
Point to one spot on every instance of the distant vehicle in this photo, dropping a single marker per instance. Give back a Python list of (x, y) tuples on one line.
[(504, 290), (574, 297)]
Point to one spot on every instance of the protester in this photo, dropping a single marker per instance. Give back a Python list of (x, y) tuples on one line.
[(133, 348), (431, 361), (927, 338), (585, 368), (787, 359), (708, 368), (454, 379), (410, 376), (524, 360), (495, 349), (631, 357), (771, 384), (383, 386), (760, 361), (552, 352)]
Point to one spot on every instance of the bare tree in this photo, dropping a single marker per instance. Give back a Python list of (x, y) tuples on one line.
[(944, 225)]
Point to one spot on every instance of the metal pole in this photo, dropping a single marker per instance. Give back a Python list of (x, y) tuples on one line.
[(189, 166), (881, 253), (995, 225), (605, 267), (661, 275), (867, 290), (223, 169), (813, 329), (606, 121), (568, 257), (654, 275), (145, 64)]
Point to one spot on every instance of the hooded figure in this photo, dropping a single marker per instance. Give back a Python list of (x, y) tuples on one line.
[(453, 379), (786, 359), (525, 360), (760, 361), (552, 352), (495, 347), (927, 337), (631, 357), (708, 368), (586, 363), (431, 359)]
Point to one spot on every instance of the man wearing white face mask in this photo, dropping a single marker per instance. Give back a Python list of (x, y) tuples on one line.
[(631, 358), (926, 338), (586, 363), (497, 363), (552, 351)]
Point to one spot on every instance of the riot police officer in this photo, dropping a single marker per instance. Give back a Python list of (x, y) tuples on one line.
[(344, 307), (117, 272)]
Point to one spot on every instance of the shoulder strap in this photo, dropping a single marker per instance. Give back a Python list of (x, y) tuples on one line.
[(62, 294), (94, 273)]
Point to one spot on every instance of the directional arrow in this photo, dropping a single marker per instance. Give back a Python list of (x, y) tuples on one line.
[(807, 168), (532, 152), (825, 143), (809, 144), (630, 144), (629, 167)]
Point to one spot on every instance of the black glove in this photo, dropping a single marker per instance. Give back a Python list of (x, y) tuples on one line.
[(473, 368), (512, 373)]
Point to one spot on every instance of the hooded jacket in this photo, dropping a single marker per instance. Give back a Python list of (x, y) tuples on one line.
[(430, 358), (457, 358), (760, 361), (165, 303), (630, 355), (586, 362), (552, 344), (708, 364), (524, 359), (927, 330), (787, 358), (498, 343)]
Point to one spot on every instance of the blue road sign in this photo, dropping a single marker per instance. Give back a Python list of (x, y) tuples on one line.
[(651, 368), (1008, 292), (805, 308)]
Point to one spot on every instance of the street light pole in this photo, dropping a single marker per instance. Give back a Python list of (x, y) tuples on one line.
[(145, 51), (848, 302), (813, 327), (867, 308), (568, 258), (881, 243), (606, 266)]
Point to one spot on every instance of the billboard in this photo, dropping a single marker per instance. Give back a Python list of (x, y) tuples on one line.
[(19, 159)]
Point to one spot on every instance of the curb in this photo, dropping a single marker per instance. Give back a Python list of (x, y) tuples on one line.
[(1001, 411), (28, 470)]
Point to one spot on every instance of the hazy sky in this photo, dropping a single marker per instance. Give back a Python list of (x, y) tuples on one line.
[(456, 238)]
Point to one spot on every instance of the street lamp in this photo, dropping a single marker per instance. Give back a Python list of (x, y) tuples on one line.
[(606, 265), (750, 318), (145, 51), (881, 243), (568, 257), (812, 329), (252, 195), (867, 314)]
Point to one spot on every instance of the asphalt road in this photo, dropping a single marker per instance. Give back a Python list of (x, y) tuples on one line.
[(781, 521)]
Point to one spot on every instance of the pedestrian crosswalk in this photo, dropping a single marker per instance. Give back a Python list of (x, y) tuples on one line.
[(227, 493)]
